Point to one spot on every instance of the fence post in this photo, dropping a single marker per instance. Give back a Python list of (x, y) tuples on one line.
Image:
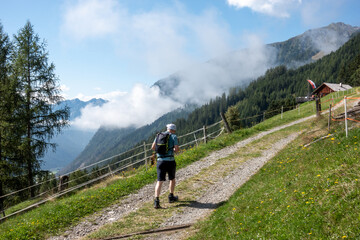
[(196, 140), (110, 171), (145, 156), (225, 122), (318, 107), (329, 121), (205, 139), (2, 211), (346, 125)]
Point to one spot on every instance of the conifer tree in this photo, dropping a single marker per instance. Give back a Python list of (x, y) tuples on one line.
[(233, 118), (5, 111), (39, 91)]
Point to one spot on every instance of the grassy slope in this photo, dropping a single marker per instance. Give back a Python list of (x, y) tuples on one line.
[(301, 193), (57, 215)]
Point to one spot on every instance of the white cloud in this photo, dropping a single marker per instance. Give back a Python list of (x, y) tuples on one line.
[(166, 41), (91, 18), (215, 77), (162, 40), (276, 8), (110, 96), (141, 106)]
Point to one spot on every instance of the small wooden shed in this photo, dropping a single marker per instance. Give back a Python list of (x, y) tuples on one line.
[(327, 88)]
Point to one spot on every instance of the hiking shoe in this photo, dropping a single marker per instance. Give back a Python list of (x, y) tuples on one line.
[(173, 198), (157, 203)]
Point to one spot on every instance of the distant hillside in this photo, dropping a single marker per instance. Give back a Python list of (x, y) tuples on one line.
[(263, 94), (71, 141), (312, 45), (108, 142)]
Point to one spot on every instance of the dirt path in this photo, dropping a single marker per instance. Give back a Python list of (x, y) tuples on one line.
[(215, 194), (220, 191)]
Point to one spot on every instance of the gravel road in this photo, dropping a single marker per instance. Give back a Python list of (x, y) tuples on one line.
[(217, 193)]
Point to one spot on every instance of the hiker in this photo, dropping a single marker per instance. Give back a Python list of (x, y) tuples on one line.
[(166, 163)]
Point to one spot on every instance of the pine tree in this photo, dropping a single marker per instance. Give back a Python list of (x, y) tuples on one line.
[(38, 88), (5, 111)]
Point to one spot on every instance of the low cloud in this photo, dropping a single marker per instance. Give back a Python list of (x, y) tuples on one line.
[(205, 81), (141, 106), (275, 8)]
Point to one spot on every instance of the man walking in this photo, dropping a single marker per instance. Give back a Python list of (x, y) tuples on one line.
[(166, 164)]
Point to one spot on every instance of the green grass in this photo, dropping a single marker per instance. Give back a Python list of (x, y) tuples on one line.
[(57, 215), (301, 193)]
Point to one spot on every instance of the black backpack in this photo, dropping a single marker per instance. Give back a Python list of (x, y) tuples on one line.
[(162, 143)]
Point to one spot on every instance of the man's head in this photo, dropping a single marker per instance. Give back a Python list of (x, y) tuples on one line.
[(171, 127)]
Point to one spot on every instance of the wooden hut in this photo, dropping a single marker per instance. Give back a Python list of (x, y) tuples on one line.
[(327, 88)]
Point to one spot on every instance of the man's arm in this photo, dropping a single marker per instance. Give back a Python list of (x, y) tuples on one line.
[(176, 148)]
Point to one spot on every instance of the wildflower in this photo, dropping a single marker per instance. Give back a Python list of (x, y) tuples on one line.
[(234, 209), (344, 236), (303, 193), (295, 190), (310, 233), (332, 139), (318, 175), (327, 190), (288, 206), (259, 221)]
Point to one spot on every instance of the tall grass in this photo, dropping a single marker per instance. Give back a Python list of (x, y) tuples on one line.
[(302, 193)]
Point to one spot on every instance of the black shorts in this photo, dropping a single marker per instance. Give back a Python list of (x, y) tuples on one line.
[(164, 167)]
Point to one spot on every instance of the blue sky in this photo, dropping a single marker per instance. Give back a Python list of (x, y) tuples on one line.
[(117, 48), (118, 52)]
